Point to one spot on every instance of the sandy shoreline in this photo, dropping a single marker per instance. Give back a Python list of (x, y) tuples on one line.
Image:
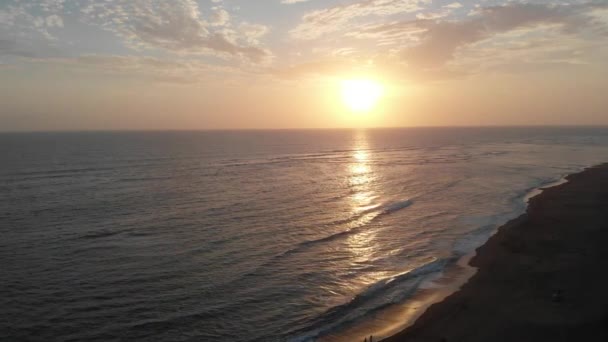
[(540, 278)]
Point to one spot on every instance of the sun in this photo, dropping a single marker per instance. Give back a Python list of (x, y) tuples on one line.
[(361, 95)]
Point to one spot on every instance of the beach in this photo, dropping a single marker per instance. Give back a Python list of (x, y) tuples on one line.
[(541, 277)]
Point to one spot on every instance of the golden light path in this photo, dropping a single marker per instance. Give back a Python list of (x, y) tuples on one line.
[(362, 246), (397, 316)]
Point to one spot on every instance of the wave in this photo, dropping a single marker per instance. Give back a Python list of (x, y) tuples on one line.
[(396, 289), (58, 171), (304, 157), (544, 184), (345, 156), (374, 212), (391, 207), (475, 238), (99, 234), (356, 308)]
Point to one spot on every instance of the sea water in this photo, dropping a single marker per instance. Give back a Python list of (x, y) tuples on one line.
[(251, 235)]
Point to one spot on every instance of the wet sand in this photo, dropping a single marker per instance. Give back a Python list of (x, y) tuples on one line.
[(541, 277)]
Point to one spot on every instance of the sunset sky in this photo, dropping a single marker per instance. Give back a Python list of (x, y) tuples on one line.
[(231, 64)]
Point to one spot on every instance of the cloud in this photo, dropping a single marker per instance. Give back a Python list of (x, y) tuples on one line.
[(174, 26), (434, 42), (51, 6), (453, 5), (513, 37), (444, 12), (220, 17), (29, 19), (291, 2), (527, 49), (442, 39), (334, 19), (253, 32), (54, 21)]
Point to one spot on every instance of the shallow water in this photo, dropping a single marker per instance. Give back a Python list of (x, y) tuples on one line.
[(251, 235)]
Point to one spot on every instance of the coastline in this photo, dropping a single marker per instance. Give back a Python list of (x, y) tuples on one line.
[(539, 278), (397, 317)]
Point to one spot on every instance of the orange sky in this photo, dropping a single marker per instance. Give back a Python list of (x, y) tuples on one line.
[(223, 64)]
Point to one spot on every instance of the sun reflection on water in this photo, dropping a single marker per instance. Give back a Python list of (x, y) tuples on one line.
[(362, 246), (359, 169), (361, 155), (361, 175)]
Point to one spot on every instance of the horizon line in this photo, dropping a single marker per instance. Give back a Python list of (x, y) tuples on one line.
[(177, 130)]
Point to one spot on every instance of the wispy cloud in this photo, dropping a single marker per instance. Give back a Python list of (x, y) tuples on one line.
[(453, 5), (334, 19), (441, 39), (19, 19), (433, 42), (291, 2), (417, 37), (503, 37), (174, 26)]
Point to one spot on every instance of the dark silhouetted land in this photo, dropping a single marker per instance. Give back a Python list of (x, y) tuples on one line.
[(542, 277)]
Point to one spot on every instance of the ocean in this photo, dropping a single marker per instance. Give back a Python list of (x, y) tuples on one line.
[(285, 235)]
